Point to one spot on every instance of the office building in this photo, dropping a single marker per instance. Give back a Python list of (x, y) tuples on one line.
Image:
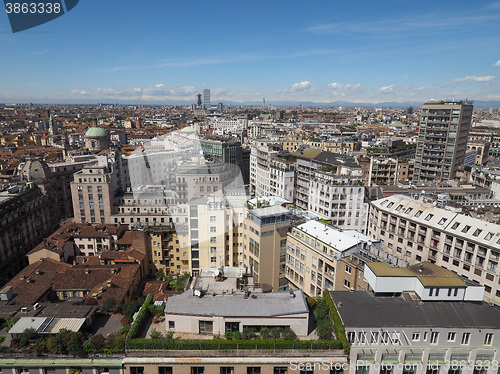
[(418, 231), (206, 98), (264, 244), (442, 140)]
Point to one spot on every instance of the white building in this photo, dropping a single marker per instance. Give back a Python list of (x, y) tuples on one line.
[(228, 301), (417, 231), (339, 199)]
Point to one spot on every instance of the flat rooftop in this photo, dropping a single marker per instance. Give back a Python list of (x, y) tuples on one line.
[(430, 275), (271, 304), (363, 309)]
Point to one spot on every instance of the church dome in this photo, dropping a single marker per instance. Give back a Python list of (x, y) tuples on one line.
[(96, 132), (35, 171)]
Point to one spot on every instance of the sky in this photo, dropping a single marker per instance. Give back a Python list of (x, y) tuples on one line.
[(167, 51)]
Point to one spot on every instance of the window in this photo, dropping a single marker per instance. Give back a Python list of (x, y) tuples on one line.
[(442, 221), (206, 327), (164, 369), (455, 225), (213, 218), (213, 229), (348, 269), (418, 214), (477, 232), (171, 324), (347, 283), (226, 370), (434, 337), (488, 338), (466, 228), (451, 336), (415, 336), (253, 370), (213, 239), (429, 217), (197, 369), (465, 338), (137, 370), (280, 370)]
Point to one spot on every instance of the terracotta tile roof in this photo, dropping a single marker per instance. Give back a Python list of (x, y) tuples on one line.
[(40, 275), (95, 278)]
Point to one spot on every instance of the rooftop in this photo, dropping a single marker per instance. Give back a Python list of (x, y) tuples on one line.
[(363, 309), (430, 275), (255, 305)]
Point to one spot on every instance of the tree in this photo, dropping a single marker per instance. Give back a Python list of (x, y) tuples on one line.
[(27, 336), (109, 304), (129, 309), (155, 334), (74, 345), (288, 334), (275, 333), (160, 274), (59, 341), (248, 333), (97, 341)]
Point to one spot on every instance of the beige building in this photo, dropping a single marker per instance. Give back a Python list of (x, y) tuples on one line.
[(314, 255), (215, 233), (92, 191), (418, 231), (264, 244)]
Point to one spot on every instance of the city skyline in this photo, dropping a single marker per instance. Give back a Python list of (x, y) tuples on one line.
[(317, 52)]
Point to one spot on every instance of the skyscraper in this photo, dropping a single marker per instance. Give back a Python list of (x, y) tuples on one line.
[(442, 140), (206, 98)]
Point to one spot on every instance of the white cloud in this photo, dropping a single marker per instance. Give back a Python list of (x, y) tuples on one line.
[(497, 63), (473, 78), (387, 89), (159, 85), (335, 85), (302, 86)]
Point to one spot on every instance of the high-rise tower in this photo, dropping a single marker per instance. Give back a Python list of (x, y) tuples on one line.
[(206, 98), (442, 140)]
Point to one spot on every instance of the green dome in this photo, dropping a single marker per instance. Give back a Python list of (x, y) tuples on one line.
[(95, 132), (188, 130)]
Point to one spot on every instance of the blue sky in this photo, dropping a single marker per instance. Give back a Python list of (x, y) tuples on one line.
[(158, 51)]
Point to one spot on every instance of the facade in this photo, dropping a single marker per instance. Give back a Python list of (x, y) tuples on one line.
[(227, 300), (264, 244), (272, 172), (93, 191), (228, 151), (340, 200), (26, 218), (417, 231), (309, 161), (206, 98), (314, 253), (442, 142), (406, 335), (215, 232)]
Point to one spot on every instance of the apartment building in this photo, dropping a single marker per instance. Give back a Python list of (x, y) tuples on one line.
[(272, 172), (418, 231), (215, 232), (27, 217), (388, 171), (264, 244), (442, 142), (309, 161), (314, 253), (92, 191), (340, 200)]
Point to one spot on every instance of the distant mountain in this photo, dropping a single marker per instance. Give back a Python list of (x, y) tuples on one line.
[(347, 104)]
